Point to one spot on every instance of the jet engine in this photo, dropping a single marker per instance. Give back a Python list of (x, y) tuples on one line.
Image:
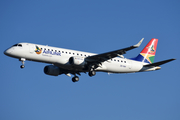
[(52, 70), (76, 60)]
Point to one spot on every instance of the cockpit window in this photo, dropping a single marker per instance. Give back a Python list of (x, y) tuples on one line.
[(15, 45), (20, 45)]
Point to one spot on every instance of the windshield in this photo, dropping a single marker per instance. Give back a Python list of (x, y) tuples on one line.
[(20, 45), (15, 45)]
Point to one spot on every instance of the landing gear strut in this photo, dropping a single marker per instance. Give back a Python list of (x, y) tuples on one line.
[(22, 60), (75, 79)]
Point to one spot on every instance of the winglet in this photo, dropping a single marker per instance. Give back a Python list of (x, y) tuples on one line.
[(137, 45)]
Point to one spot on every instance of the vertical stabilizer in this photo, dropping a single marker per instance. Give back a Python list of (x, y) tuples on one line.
[(148, 53)]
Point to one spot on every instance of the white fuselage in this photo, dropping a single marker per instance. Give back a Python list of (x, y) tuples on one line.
[(66, 61), (60, 57)]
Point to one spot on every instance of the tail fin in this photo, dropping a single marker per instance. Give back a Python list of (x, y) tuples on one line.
[(148, 53)]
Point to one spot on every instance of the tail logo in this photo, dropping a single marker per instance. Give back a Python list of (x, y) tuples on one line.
[(38, 50), (148, 53), (152, 49)]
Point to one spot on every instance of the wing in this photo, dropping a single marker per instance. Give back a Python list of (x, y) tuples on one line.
[(66, 71), (106, 56)]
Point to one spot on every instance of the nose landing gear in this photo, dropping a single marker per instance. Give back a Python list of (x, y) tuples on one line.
[(22, 66), (22, 60)]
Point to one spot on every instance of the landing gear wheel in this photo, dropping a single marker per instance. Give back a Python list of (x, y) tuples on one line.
[(92, 73), (22, 60), (75, 79), (22, 66)]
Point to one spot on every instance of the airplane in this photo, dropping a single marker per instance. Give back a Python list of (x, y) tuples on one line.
[(66, 61)]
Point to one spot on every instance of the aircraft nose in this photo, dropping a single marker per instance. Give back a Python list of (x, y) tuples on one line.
[(7, 52)]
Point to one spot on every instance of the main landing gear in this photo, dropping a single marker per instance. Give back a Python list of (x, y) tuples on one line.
[(22, 60), (92, 73), (75, 79)]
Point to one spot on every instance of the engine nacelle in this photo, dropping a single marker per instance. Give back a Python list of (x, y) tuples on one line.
[(76, 60), (51, 70)]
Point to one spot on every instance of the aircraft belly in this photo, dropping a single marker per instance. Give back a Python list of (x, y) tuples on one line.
[(115, 68), (122, 68)]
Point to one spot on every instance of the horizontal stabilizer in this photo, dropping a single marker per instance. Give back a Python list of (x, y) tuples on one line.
[(159, 63)]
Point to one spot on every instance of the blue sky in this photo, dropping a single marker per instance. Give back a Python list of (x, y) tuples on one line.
[(94, 26)]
